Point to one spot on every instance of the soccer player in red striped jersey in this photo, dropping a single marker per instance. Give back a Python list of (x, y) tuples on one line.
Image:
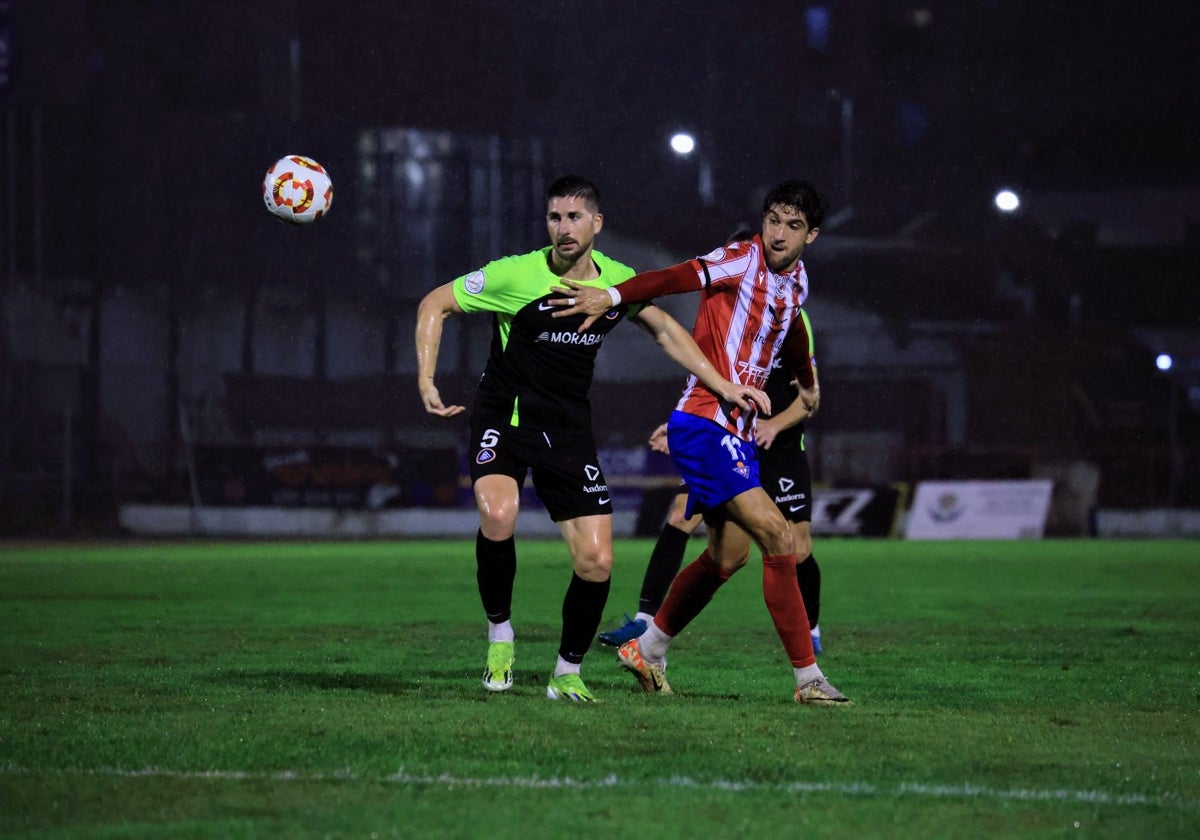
[(749, 314)]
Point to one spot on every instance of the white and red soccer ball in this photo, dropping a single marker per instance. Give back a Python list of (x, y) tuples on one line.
[(297, 190)]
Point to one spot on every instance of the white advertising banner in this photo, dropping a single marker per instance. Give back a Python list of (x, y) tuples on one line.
[(979, 510)]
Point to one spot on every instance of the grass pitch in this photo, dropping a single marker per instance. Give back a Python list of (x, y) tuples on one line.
[(292, 690)]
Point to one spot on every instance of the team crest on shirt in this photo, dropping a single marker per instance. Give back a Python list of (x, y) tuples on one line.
[(474, 282)]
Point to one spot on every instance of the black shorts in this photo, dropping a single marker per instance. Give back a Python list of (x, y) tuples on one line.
[(566, 472), (785, 476)]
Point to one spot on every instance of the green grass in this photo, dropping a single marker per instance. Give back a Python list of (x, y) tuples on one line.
[(1044, 689)]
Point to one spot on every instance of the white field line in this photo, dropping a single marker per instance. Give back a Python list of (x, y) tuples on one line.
[(866, 789)]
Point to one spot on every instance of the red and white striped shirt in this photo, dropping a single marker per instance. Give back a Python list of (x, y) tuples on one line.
[(748, 315)]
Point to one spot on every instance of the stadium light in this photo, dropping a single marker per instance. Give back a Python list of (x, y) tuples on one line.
[(682, 143), (1164, 362), (1007, 201)]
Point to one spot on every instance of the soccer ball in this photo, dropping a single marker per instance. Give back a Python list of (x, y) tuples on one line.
[(297, 190)]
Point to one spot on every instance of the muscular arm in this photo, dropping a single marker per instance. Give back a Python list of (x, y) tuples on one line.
[(680, 346), (435, 308), (594, 302)]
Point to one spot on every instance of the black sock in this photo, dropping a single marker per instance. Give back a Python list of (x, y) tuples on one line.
[(582, 609), (496, 567), (664, 564), (808, 575)]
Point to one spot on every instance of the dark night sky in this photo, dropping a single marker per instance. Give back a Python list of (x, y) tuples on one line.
[(1050, 86), (1055, 95)]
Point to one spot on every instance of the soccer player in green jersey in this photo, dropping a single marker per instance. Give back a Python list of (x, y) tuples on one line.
[(532, 414)]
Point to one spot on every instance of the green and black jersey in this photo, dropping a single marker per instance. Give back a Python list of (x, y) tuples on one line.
[(540, 369), (781, 392)]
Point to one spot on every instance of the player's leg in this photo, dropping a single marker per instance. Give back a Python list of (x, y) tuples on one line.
[(808, 576), (667, 556), (664, 563), (716, 467), (497, 498), (758, 514), (787, 478), (691, 591), (589, 539), (570, 483), (496, 475)]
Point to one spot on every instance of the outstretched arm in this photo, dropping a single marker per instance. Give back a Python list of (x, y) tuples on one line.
[(434, 309), (680, 346), (593, 302)]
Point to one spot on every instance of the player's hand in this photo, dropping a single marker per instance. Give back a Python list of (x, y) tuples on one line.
[(658, 440), (745, 397), (433, 402), (811, 398), (580, 300), (765, 432)]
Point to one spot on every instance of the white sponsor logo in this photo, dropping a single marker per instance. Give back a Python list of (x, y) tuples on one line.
[(544, 305), (474, 282), (604, 501), (595, 488), (567, 337), (591, 472), (794, 508), (785, 484)]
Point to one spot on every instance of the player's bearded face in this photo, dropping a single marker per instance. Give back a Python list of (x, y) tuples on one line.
[(785, 232), (572, 226)]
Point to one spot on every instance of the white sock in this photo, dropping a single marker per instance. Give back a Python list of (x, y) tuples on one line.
[(565, 667), (816, 631), (501, 632), (807, 674), (646, 617), (654, 643)]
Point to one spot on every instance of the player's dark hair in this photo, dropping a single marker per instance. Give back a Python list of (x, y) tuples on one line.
[(575, 186), (799, 195)]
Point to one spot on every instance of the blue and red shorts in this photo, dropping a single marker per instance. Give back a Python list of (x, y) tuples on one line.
[(715, 464)]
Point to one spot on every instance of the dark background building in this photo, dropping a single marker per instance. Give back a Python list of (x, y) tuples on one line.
[(152, 309)]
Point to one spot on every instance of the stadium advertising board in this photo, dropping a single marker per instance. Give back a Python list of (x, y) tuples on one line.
[(982, 510), (856, 511)]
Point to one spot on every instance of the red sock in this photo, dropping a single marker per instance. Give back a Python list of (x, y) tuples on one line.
[(690, 592), (782, 594)]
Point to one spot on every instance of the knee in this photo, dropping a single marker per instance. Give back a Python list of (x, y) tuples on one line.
[(594, 564), (676, 519), (803, 545), (730, 561), (498, 521), (775, 537), (677, 516)]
